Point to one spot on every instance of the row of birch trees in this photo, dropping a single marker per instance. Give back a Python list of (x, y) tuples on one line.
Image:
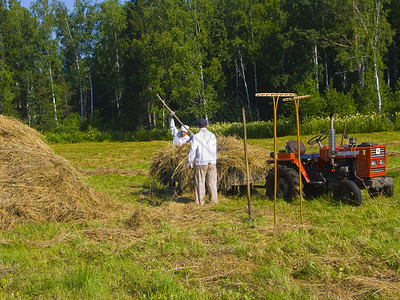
[(104, 63)]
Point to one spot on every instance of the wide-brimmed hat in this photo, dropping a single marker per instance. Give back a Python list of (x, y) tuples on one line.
[(185, 128)]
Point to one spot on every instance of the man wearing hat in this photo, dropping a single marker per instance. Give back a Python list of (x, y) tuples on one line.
[(179, 137), (204, 150)]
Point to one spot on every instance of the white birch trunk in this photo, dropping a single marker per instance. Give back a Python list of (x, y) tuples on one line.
[(326, 74), (118, 90), (375, 50), (149, 114), (201, 92), (77, 68), (202, 88), (53, 96), (362, 73), (91, 95), (243, 74), (316, 66)]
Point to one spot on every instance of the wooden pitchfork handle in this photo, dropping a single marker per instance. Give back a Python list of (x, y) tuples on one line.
[(174, 114)]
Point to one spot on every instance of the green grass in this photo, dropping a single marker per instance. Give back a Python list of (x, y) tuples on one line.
[(184, 251)]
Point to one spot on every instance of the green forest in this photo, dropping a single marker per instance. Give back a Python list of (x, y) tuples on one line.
[(103, 64)]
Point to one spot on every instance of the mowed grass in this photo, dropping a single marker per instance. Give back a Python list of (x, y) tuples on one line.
[(160, 245)]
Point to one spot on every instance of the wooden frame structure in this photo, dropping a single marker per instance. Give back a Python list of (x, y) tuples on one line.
[(296, 99)]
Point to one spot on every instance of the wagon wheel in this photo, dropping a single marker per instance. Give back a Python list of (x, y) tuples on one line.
[(348, 192), (288, 184)]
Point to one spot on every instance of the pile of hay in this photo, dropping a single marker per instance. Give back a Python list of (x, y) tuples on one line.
[(169, 164), (35, 184)]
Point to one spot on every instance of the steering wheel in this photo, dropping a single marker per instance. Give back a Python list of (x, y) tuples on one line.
[(317, 139)]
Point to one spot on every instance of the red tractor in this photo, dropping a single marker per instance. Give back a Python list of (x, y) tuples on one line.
[(343, 170)]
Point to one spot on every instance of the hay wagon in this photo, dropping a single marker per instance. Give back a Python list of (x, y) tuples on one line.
[(169, 165)]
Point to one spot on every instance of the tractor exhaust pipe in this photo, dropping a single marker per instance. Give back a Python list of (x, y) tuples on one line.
[(332, 143)]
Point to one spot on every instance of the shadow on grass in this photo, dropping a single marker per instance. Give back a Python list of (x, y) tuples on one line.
[(155, 195)]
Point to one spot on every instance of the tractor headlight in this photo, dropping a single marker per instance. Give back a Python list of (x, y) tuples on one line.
[(382, 162), (374, 162)]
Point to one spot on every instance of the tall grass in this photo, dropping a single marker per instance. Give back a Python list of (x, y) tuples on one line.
[(357, 123)]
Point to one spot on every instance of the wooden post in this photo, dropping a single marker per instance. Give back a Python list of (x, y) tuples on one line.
[(275, 98), (247, 164)]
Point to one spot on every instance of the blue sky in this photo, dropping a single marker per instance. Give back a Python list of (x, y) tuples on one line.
[(68, 3)]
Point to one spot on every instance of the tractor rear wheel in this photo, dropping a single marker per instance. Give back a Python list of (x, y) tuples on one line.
[(288, 186), (347, 191)]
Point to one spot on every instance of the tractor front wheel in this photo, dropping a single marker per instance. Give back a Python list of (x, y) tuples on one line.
[(288, 186), (347, 191), (388, 190)]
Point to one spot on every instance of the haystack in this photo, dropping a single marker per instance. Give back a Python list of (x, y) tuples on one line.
[(35, 184), (169, 164)]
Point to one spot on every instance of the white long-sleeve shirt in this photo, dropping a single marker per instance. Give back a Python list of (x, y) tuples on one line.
[(204, 148), (177, 135)]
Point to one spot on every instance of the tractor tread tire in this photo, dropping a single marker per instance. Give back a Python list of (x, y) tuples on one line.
[(291, 187)]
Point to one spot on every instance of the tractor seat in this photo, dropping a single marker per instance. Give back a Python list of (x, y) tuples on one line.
[(291, 147)]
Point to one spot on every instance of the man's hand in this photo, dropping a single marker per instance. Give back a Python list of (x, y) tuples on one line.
[(172, 114)]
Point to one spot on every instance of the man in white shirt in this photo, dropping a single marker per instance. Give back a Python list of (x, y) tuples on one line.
[(179, 137), (204, 150)]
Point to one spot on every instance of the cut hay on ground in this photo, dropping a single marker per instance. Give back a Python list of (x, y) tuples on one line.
[(169, 164), (35, 184)]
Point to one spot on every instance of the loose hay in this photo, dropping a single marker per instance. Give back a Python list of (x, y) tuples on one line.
[(142, 217), (35, 184), (169, 164)]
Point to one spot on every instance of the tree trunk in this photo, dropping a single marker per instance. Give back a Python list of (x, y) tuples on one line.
[(149, 114), (395, 70), (53, 95), (375, 50), (202, 88), (361, 73), (243, 75), (236, 74), (255, 78), (77, 68), (388, 78), (326, 74), (316, 66), (118, 90), (91, 95)]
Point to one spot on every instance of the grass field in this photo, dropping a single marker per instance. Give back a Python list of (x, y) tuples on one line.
[(160, 245)]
